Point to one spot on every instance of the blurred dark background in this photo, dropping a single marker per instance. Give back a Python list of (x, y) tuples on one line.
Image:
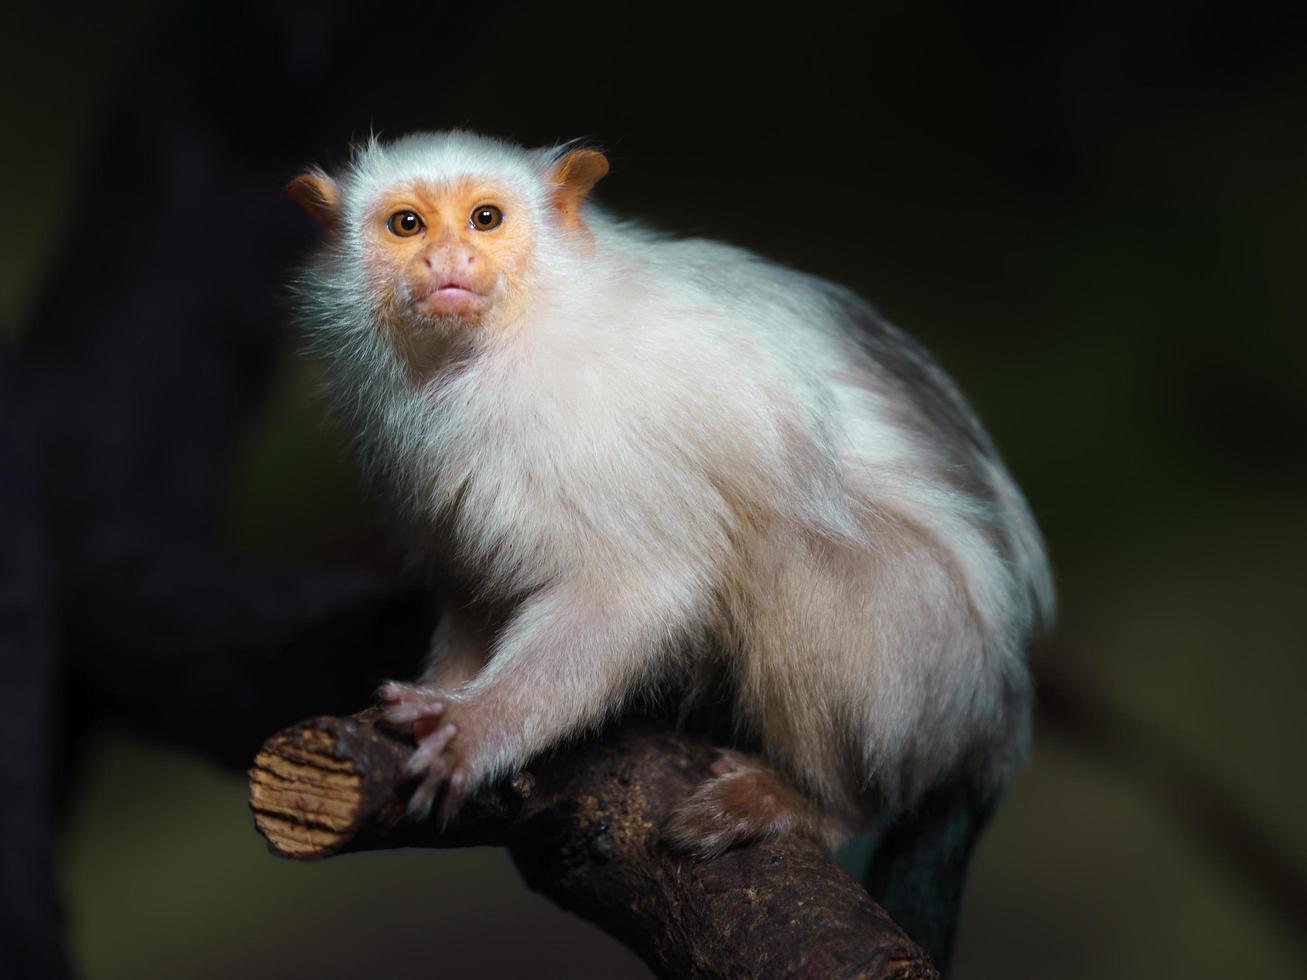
[(1093, 213)]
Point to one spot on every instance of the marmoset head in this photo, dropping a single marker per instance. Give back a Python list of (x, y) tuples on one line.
[(443, 229)]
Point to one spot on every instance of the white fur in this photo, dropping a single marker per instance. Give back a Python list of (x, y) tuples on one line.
[(678, 442)]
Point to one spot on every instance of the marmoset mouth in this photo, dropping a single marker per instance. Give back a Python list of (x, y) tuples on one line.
[(451, 298)]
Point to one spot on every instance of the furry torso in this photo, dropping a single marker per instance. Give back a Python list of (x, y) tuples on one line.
[(681, 416)]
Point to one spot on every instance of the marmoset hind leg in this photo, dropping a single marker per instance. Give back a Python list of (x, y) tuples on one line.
[(746, 800), (797, 674)]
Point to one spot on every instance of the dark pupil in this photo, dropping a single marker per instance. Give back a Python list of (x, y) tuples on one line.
[(408, 221), (485, 216)]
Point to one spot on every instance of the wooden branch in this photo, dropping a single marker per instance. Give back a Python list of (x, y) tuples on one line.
[(583, 828)]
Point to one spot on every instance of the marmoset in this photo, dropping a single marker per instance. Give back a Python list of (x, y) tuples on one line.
[(648, 465)]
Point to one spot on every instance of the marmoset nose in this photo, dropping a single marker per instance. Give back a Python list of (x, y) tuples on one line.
[(449, 256)]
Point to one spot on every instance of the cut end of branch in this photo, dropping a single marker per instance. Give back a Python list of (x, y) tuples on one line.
[(305, 802), (310, 788)]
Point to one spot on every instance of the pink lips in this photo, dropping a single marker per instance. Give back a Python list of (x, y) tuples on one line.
[(452, 290), (451, 297)]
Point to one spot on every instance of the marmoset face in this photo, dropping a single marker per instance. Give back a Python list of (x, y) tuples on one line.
[(439, 249), (448, 254)]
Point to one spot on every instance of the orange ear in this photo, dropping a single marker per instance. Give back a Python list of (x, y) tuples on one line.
[(574, 176), (317, 194)]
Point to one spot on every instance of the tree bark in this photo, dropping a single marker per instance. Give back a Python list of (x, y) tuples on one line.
[(583, 827)]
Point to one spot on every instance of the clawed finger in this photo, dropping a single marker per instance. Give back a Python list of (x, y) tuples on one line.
[(429, 750), (395, 692), (419, 804), (455, 790), (408, 713)]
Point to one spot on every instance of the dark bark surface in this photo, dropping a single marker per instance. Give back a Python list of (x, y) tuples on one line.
[(584, 829)]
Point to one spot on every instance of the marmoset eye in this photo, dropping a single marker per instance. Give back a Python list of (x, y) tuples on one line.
[(405, 224), (486, 217)]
